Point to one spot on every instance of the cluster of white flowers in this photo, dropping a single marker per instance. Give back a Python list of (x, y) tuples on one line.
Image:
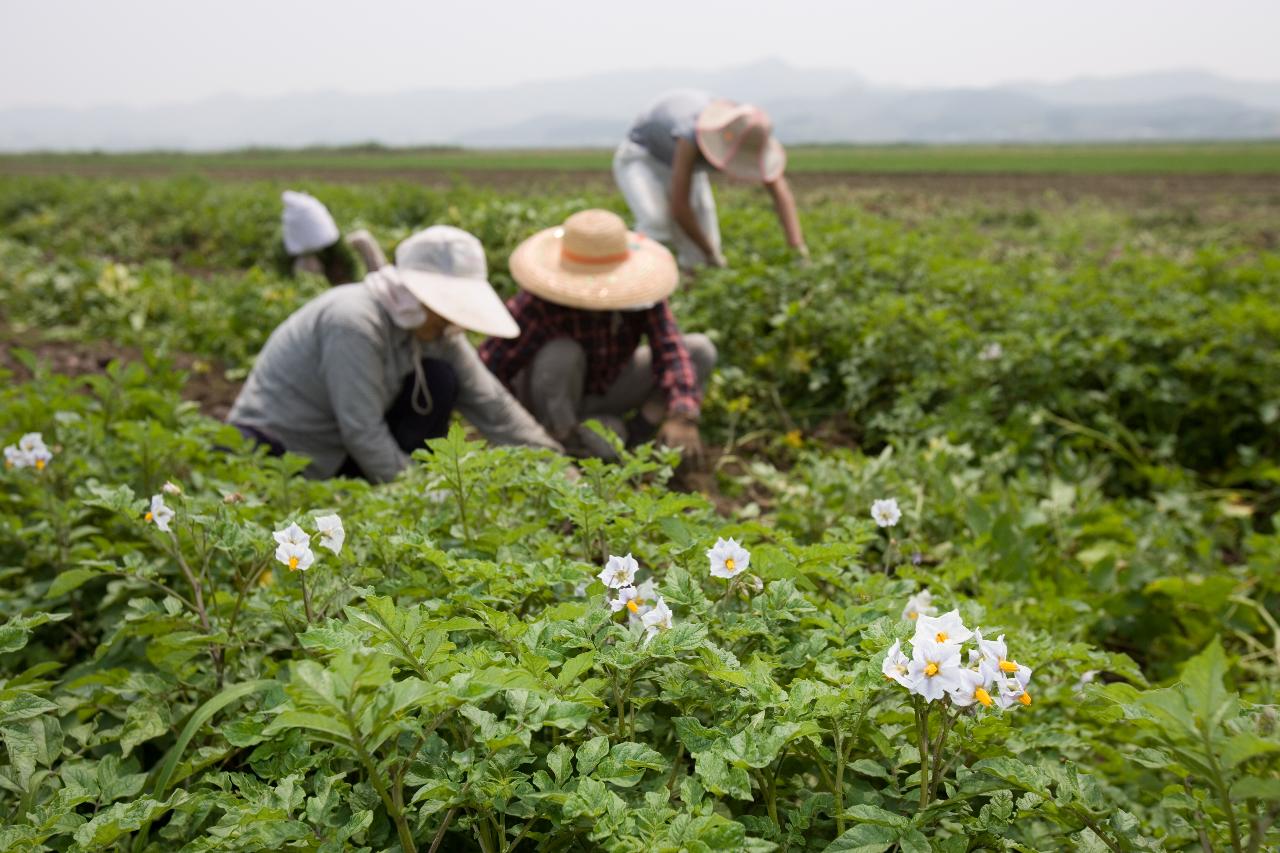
[(885, 512), (936, 669), (641, 602), (293, 544), (29, 452), (991, 352)]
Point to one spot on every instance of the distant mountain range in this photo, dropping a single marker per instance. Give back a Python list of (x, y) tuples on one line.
[(808, 105)]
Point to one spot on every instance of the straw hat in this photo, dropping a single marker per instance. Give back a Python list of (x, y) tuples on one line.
[(594, 262), (445, 269), (738, 139), (308, 225)]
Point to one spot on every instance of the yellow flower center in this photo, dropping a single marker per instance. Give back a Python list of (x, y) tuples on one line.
[(149, 517), (728, 564), (1025, 698), (1008, 666), (982, 696), (39, 464), (931, 669), (913, 615), (941, 636), (634, 605), (293, 564)]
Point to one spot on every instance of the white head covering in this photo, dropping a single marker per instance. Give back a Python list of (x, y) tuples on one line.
[(308, 225)]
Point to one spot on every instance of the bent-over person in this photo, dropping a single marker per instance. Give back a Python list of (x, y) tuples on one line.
[(591, 292), (365, 373)]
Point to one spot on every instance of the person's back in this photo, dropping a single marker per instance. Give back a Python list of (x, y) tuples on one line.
[(287, 395), (671, 117)]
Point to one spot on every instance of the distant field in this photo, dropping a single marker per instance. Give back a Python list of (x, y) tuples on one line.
[(1235, 158)]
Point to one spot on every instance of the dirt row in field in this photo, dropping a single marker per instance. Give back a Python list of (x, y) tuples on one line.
[(206, 383), (1120, 187)]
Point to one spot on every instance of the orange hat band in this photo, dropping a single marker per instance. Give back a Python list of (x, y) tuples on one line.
[(574, 257)]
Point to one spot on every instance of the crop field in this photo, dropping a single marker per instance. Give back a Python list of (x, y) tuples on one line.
[(1209, 158), (1072, 398)]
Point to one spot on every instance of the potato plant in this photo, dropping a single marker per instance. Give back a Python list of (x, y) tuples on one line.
[(1049, 429)]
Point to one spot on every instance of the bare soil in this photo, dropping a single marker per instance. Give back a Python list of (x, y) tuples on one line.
[(206, 382)]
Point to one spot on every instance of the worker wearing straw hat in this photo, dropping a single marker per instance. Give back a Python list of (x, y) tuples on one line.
[(365, 373), (661, 168), (590, 291), (312, 241)]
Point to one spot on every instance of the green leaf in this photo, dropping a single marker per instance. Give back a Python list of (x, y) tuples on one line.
[(559, 762), (71, 579), (878, 816), (590, 753), (1202, 679), (626, 764), (864, 838), (24, 706), (145, 719), (321, 723), (1253, 787), (1241, 747), (108, 826)]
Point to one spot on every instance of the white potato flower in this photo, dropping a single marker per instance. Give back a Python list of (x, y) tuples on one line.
[(991, 352), (896, 665), (946, 628), (972, 688), (619, 572), (628, 598), (171, 488), (159, 513), (920, 604), (657, 619), (294, 548), (934, 670), (995, 663), (29, 452), (886, 512), (1013, 689), (728, 559), (332, 534)]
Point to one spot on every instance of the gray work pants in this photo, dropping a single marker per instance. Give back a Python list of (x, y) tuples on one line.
[(552, 389)]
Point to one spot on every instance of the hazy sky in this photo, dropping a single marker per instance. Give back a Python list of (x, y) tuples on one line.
[(139, 52)]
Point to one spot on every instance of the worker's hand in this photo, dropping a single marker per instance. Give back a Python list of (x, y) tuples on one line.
[(718, 260), (802, 255), (681, 432)]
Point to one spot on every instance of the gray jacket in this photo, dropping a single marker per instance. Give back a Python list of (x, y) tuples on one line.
[(327, 375)]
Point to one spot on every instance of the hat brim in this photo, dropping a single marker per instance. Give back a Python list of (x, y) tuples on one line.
[(472, 304), (647, 276), (760, 167)]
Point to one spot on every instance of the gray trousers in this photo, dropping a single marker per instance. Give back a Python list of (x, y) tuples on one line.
[(552, 389)]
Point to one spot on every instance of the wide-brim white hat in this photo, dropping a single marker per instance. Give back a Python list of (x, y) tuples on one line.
[(445, 269), (738, 140), (592, 261)]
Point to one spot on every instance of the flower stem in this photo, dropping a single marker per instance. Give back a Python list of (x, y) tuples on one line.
[(306, 597), (922, 740)]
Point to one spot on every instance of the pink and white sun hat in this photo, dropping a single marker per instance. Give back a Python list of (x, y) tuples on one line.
[(738, 140), (308, 224)]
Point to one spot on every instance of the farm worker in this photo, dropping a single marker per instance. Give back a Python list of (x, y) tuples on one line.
[(661, 168), (362, 375), (590, 290), (313, 244)]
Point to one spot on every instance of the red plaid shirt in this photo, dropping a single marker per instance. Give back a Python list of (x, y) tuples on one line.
[(610, 339)]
